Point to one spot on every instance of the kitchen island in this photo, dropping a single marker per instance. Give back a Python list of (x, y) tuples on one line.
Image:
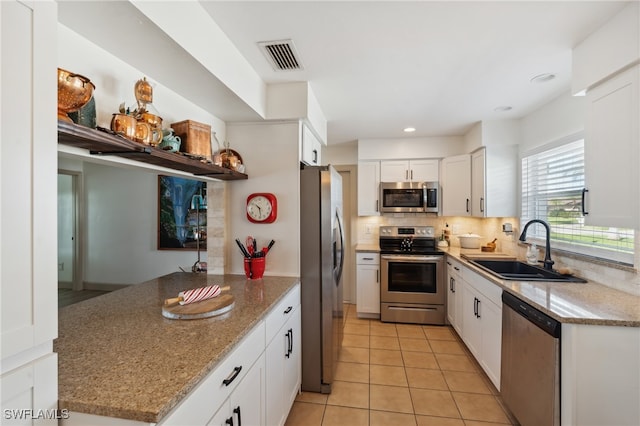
[(119, 357)]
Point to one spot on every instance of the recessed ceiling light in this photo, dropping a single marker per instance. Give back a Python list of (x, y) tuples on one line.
[(543, 78), (409, 129), (503, 108)]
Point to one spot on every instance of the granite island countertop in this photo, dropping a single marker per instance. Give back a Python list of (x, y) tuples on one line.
[(587, 303), (119, 357)]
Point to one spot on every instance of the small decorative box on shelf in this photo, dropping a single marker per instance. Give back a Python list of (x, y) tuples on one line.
[(104, 142)]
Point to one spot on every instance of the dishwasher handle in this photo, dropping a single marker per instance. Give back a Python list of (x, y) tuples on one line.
[(541, 320)]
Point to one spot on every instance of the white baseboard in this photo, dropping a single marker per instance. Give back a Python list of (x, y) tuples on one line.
[(65, 284), (103, 286)]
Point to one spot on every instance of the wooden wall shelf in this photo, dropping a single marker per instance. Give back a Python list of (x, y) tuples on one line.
[(103, 143)]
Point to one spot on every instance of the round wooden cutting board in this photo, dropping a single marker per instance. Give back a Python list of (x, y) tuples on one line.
[(203, 309)]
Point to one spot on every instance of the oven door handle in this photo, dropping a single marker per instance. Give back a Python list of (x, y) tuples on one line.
[(411, 258)]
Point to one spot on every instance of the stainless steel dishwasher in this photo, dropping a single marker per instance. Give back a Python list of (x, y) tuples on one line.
[(530, 370)]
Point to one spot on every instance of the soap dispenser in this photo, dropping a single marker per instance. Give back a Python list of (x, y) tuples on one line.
[(532, 255)]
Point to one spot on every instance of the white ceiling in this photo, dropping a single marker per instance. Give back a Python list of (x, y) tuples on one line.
[(377, 67)]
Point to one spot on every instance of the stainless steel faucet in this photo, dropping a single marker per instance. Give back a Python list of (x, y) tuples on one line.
[(548, 263)]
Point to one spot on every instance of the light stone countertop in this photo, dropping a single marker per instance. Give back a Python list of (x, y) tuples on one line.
[(119, 357), (367, 248), (576, 303)]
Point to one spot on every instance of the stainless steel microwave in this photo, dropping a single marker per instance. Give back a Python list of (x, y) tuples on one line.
[(409, 197)]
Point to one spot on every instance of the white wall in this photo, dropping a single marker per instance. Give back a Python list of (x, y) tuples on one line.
[(346, 153), (121, 215), (270, 154), (115, 80), (561, 117), (400, 148)]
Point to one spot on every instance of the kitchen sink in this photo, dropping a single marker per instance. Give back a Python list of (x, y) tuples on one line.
[(520, 271)]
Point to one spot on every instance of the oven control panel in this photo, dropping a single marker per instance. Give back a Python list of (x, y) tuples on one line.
[(408, 240), (407, 231)]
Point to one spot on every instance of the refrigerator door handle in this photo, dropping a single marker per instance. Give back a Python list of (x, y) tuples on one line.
[(341, 235)]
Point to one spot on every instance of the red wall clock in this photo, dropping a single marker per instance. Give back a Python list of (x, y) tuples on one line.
[(262, 207)]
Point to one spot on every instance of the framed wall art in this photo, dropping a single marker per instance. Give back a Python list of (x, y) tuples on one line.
[(182, 213)]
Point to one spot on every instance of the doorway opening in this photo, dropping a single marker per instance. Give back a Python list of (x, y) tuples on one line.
[(348, 174), (70, 207)]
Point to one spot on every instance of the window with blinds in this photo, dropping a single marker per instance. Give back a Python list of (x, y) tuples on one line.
[(552, 183)]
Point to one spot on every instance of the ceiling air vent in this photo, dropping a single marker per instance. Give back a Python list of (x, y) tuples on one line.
[(281, 54)]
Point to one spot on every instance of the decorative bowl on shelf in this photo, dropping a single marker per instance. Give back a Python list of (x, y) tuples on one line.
[(124, 125), (155, 121), (170, 143), (74, 91)]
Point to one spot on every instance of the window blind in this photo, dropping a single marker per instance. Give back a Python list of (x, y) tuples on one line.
[(552, 183)]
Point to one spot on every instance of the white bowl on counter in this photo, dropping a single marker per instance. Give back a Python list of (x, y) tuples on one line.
[(469, 241)]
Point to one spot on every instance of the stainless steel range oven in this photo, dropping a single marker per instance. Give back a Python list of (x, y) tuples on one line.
[(412, 276)]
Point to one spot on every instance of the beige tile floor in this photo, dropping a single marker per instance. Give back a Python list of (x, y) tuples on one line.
[(401, 374)]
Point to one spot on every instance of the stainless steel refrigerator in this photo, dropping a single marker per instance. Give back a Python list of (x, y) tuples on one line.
[(321, 263)]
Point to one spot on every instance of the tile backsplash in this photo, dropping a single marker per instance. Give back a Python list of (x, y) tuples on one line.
[(620, 277), (488, 229)]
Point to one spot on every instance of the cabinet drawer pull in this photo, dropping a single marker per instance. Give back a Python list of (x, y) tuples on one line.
[(286, 311), (367, 258), (237, 411), (467, 208), (287, 353), (232, 376), (476, 307)]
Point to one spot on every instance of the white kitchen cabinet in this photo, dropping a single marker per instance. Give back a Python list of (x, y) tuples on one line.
[(28, 173), (494, 181), (292, 362), (31, 386), (368, 187), (368, 285), (456, 185), (600, 375), (491, 347), (482, 322), (217, 389), (283, 357), (245, 405), (612, 152), (455, 283), (311, 152), (472, 330), (424, 170)]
